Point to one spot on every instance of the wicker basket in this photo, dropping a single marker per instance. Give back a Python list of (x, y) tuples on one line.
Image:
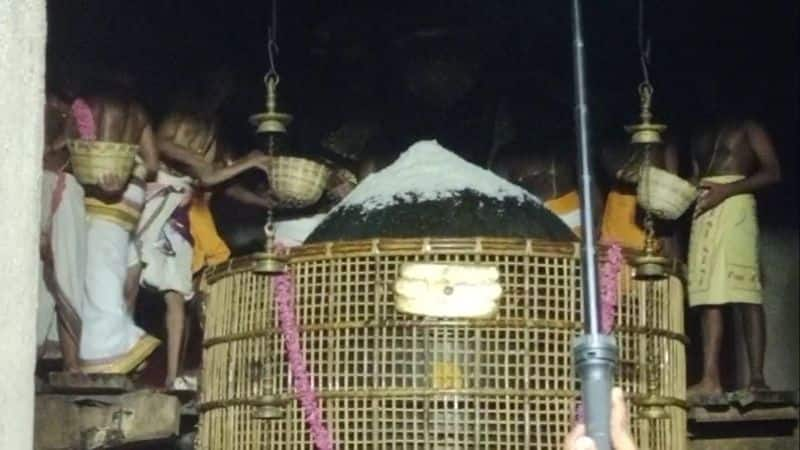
[(664, 194), (297, 182), (91, 160), (389, 380)]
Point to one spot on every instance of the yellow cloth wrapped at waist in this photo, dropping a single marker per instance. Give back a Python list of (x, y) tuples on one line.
[(723, 252), (568, 209), (209, 248), (619, 221)]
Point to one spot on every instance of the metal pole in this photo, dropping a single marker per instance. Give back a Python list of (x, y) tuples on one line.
[(595, 354)]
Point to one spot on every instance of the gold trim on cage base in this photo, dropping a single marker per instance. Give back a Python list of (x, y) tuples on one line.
[(266, 263)]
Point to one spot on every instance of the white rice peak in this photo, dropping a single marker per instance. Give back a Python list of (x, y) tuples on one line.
[(428, 171)]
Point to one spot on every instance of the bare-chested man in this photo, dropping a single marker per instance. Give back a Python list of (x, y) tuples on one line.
[(189, 142), (548, 174), (110, 341), (732, 161)]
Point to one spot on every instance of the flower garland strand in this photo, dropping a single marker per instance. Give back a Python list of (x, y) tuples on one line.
[(609, 276), (304, 391), (84, 119)]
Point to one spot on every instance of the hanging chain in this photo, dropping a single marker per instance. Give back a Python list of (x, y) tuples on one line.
[(272, 45), (644, 47), (649, 225), (645, 94)]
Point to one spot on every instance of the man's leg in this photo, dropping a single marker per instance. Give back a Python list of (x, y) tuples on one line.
[(69, 350), (132, 286), (175, 324), (755, 340), (711, 322)]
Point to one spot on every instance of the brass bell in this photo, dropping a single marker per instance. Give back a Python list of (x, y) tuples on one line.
[(650, 266)]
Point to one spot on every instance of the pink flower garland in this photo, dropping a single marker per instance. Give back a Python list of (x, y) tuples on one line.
[(609, 275), (83, 117), (304, 391)]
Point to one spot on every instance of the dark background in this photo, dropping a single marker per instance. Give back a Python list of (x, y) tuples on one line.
[(344, 60)]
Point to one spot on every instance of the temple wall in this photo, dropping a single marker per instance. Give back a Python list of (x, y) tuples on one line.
[(22, 58), (780, 263)]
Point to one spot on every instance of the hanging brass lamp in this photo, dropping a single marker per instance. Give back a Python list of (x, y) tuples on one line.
[(650, 265), (296, 182)]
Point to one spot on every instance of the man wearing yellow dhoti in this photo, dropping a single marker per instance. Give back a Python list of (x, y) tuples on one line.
[(110, 342), (733, 160), (190, 148)]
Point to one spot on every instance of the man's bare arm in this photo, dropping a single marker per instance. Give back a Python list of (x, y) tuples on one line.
[(205, 172), (217, 175), (148, 150), (249, 197)]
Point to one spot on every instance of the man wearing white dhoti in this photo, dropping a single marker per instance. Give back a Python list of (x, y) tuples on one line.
[(188, 143), (110, 340), (63, 249)]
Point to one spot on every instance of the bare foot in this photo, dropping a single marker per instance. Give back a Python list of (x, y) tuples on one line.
[(703, 389), (758, 386), (77, 374)]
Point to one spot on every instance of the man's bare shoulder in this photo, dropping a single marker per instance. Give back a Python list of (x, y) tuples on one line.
[(117, 104), (176, 119)]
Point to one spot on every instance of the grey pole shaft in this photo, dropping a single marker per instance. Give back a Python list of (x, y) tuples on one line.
[(591, 313), (595, 355)]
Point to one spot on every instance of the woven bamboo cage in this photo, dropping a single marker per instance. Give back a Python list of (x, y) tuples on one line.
[(387, 380)]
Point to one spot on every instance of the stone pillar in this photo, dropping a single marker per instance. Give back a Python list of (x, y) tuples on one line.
[(23, 31)]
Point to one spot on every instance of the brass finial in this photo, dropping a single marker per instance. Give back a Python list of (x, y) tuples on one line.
[(646, 132), (271, 121)]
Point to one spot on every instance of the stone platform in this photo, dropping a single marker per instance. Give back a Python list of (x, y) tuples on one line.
[(745, 420), (106, 411)]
